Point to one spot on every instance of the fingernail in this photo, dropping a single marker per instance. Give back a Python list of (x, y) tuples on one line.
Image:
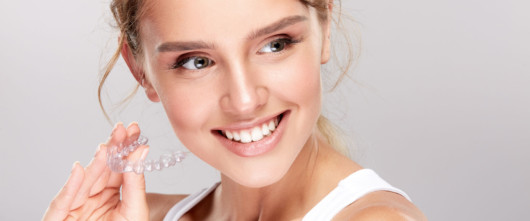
[(118, 125), (115, 128), (73, 166), (133, 123), (98, 149)]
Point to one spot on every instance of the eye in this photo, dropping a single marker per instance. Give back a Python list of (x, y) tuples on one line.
[(276, 45), (194, 63)]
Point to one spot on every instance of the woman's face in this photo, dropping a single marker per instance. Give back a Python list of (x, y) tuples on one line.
[(227, 73)]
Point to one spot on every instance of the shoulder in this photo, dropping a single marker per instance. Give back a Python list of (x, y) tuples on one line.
[(381, 205), (160, 204)]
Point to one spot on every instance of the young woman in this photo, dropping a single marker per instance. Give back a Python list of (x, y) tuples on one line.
[(240, 83)]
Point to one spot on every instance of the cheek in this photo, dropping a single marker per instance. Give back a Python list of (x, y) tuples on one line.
[(189, 113), (187, 109), (299, 81)]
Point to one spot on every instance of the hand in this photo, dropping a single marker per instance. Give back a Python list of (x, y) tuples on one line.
[(93, 192)]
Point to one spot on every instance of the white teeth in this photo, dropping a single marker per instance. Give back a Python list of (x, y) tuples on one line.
[(265, 129), (272, 126), (229, 135), (236, 136), (254, 134), (245, 137)]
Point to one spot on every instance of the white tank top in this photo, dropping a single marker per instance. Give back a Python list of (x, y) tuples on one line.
[(350, 189)]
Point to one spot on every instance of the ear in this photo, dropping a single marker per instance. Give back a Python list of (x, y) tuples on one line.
[(138, 73), (326, 35)]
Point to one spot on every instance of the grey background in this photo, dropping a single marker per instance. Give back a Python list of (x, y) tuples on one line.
[(439, 106)]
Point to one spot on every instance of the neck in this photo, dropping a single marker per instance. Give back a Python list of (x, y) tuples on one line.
[(293, 195)]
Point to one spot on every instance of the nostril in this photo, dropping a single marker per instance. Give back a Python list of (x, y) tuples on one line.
[(244, 98)]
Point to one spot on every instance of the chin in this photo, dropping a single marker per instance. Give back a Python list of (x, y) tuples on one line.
[(270, 168), (262, 172), (259, 180)]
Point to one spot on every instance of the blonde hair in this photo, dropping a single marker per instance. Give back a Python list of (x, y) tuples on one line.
[(127, 14)]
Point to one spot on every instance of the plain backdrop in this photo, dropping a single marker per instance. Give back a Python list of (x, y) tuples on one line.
[(439, 103)]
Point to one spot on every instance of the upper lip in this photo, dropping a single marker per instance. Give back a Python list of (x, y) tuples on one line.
[(248, 124)]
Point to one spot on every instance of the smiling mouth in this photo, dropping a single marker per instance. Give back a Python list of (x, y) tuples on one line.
[(253, 134)]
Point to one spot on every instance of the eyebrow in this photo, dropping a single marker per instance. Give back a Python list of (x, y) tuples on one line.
[(183, 46), (282, 23), (195, 45)]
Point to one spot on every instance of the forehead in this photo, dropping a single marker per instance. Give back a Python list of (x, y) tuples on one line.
[(190, 19)]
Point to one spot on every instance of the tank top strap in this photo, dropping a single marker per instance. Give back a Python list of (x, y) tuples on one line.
[(349, 190)]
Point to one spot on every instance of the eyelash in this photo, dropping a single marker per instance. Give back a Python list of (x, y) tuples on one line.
[(181, 61), (286, 40)]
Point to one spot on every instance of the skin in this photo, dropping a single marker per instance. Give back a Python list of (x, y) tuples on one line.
[(93, 192), (244, 84), (242, 87)]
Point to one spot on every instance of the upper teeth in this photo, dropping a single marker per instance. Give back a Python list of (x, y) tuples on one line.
[(253, 134)]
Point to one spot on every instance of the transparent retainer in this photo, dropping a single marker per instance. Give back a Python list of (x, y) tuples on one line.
[(117, 163)]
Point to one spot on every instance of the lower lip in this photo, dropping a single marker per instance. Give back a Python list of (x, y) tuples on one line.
[(256, 148)]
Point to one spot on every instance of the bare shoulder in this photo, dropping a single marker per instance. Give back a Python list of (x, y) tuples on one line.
[(381, 205), (159, 204)]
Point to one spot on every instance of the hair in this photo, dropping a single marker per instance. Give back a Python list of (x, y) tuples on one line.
[(127, 14)]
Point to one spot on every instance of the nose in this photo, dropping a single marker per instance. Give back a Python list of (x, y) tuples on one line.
[(244, 92)]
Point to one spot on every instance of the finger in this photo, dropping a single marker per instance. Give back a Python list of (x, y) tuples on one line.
[(115, 180), (60, 206), (96, 168), (105, 199), (103, 179), (92, 172), (134, 202), (133, 132), (117, 136), (111, 200)]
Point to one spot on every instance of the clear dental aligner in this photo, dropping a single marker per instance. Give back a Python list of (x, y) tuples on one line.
[(117, 163)]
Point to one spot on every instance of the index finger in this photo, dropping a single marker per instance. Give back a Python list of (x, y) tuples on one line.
[(60, 205)]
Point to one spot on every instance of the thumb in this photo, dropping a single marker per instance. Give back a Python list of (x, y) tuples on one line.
[(134, 201)]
